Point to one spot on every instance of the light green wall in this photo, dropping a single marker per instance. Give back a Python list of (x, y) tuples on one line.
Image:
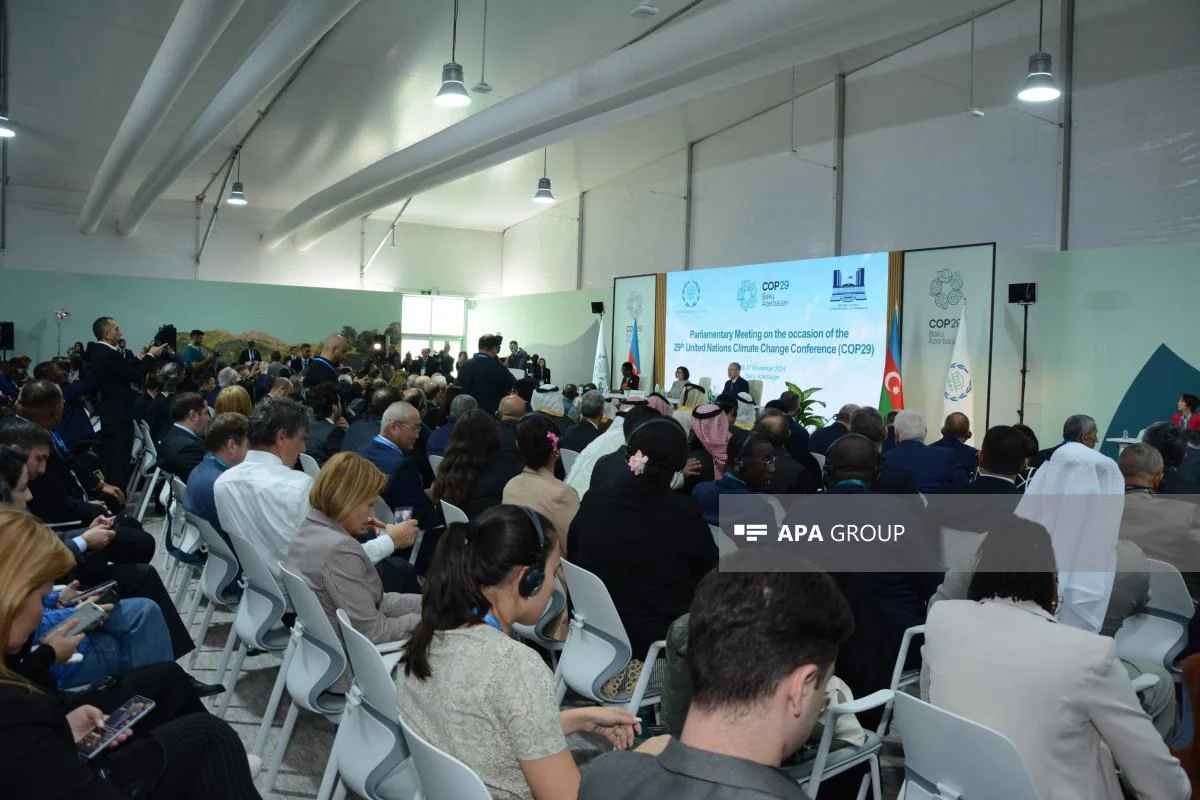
[(141, 305)]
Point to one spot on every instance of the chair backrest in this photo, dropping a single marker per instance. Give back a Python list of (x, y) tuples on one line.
[(370, 743), (725, 545), (706, 383), (1159, 634), (554, 606), (435, 462), (946, 755), (453, 513), (383, 512), (263, 603), (1168, 591), (756, 390), (147, 439), (319, 659), (221, 566), (443, 777), (597, 645), (568, 458), (820, 458), (309, 465)]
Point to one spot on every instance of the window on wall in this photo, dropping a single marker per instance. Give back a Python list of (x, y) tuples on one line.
[(429, 321)]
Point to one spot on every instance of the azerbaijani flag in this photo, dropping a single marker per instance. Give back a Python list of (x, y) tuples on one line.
[(635, 357), (891, 394)]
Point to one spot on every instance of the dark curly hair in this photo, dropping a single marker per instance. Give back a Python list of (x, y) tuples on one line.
[(475, 439)]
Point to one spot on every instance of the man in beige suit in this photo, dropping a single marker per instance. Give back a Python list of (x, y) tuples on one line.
[(1166, 529)]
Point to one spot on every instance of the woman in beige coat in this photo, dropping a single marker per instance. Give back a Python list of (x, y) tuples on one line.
[(536, 486)]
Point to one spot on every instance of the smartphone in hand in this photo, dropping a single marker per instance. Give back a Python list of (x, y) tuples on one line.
[(115, 724), (103, 593), (86, 617)]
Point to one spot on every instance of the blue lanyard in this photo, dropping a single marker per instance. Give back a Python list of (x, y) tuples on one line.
[(218, 462), (326, 363), (490, 619), (853, 482), (387, 443)]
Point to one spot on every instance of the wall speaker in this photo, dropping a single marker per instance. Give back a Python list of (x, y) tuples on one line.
[(597, 307), (1022, 293), (6, 336)]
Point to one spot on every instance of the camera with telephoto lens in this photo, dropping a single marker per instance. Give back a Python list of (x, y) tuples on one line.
[(170, 337)]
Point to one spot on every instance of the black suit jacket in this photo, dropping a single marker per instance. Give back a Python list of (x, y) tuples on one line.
[(158, 415), (60, 494), (113, 374), (319, 372), (964, 455), (822, 438), (611, 469), (179, 452), (1044, 455), (248, 355), (360, 433), (579, 436), (735, 387), (488, 488), (487, 380), (790, 477), (323, 440), (141, 405), (992, 500)]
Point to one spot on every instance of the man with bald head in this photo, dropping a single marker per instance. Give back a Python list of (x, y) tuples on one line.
[(789, 476), (323, 368), (955, 432), (1167, 529), (822, 438)]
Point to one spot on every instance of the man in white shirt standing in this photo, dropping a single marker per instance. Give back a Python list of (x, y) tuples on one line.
[(263, 499)]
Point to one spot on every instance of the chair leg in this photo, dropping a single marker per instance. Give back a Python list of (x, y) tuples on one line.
[(185, 574), (205, 621), (193, 607), (229, 642), (876, 783), (260, 741), (285, 737), (235, 672), (340, 793), (329, 779), (146, 497)]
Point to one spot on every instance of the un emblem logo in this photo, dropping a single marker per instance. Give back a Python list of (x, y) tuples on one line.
[(958, 382), (946, 289), (634, 304), (747, 295), (691, 294)]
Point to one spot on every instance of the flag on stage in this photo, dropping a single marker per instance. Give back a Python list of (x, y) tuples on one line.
[(600, 368), (959, 393), (635, 357), (891, 394)]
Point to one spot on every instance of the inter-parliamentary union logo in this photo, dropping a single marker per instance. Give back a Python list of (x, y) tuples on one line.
[(946, 289), (958, 382), (747, 295), (691, 294)]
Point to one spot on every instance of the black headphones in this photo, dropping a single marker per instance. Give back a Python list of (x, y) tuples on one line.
[(535, 576), (826, 478), (739, 463)]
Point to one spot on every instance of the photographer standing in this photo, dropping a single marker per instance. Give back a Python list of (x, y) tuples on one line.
[(113, 374)]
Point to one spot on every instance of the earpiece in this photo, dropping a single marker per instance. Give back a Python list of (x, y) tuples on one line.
[(739, 463), (535, 576)]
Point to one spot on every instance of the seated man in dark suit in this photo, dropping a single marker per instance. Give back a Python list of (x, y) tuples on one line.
[(788, 476), (933, 468), (736, 383), (362, 431), (327, 432), (823, 437), (1001, 461), (955, 432), (158, 412), (1169, 441), (182, 446), (581, 434), (798, 444), (439, 440), (1078, 428), (392, 451), (867, 422)]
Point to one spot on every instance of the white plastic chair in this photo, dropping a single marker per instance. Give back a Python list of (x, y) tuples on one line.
[(435, 462), (369, 750), (184, 539), (725, 545), (947, 756), (597, 647), (220, 569), (537, 633), (443, 777), (827, 764), (1159, 634), (453, 513), (383, 512), (309, 465), (137, 453), (820, 458), (258, 623), (568, 459), (149, 467)]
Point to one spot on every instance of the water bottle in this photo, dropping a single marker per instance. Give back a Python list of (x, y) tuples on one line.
[(1124, 434)]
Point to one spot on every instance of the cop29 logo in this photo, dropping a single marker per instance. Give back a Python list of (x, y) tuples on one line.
[(691, 294), (747, 295), (946, 289)]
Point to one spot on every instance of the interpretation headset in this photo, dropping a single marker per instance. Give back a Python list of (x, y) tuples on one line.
[(826, 478), (535, 576), (739, 463)]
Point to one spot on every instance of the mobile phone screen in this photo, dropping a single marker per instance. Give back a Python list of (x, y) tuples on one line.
[(86, 617), (403, 514), (115, 724), (95, 591)]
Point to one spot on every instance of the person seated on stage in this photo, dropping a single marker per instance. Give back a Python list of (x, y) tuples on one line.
[(681, 382), (736, 383), (1185, 416), (890, 479), (1164, 527), (233, 400), (591, 418), (327, 554), (361, 431), (469, 689), (548, 401), (741, 725), (629, 378), (823, 437), (191, 756), (648, 544), (955, 432), (751, 469), (327, 431), (613, 468), (475, 470), (182, 446), (439, 440), (225, 447), (1169, 441), (1079, 428), (1058, 693), (932, 468)]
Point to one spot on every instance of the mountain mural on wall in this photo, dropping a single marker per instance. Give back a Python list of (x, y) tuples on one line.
[(1152, 394), (227, 345)]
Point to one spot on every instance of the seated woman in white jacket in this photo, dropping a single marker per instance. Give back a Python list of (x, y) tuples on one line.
[(1059, 693)]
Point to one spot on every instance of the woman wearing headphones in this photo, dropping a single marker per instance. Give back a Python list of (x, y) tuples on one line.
[(474, 692)]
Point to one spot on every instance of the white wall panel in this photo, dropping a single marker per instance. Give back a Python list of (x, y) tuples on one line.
[(920, 172), (1135, 168), (541, 254), (754, 201), (635, 224)]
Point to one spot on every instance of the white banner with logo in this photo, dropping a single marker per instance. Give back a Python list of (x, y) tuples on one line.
[(937, 283), (633, 299)]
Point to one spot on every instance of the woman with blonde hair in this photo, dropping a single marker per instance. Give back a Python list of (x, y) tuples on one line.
[(233, 399), (192, 757), (333, 563)]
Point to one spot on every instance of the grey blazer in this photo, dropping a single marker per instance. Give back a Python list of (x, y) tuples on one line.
[(339, 571)]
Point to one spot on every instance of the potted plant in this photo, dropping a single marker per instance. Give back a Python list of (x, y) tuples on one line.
[(806, 414)]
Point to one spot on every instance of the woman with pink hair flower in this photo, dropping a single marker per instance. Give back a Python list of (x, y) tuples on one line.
[(535, 486)]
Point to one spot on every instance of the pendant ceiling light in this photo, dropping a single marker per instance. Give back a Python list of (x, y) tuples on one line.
[(543, 194), (453, 93), (237, 195), (1039, 83), (483, 87)]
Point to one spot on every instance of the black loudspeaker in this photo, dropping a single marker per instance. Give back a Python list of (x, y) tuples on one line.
[(6, 336), (597, 307), (1023, 293)]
